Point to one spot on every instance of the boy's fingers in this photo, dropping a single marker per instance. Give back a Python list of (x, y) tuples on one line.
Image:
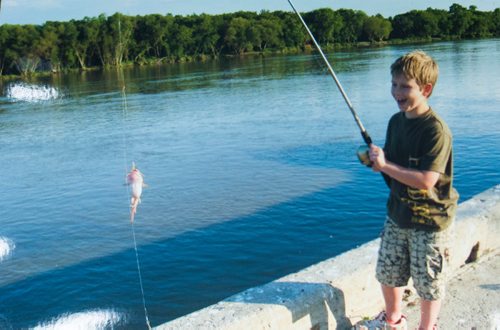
[(374, 149)]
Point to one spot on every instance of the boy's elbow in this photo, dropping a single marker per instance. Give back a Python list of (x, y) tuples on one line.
[(429, 181)]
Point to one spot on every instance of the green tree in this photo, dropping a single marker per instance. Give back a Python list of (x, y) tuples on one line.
[(206, 34), (495, 22), (68, 44), (104, 41), (266, 32), (86, 40), (403, 26), (377, 28), (55, 45), (425, 24), (237, 35), (181, 38), (151, 36), (352, 29), (4, 45), (109, 41), (47, 45), (325, 24), (480, 25), (461, 20), (119, 33), (443, 21), (294, 34), (21, 49)]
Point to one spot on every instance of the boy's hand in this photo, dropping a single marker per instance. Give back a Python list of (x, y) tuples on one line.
[(377, 157)]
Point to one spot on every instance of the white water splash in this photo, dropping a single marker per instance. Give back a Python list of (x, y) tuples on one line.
[(6, 247), (95, 319), (31, 93)]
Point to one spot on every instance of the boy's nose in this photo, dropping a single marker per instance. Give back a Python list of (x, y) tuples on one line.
[(396, 91)]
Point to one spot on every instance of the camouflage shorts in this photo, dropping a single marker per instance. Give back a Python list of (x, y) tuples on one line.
[(419, 254)]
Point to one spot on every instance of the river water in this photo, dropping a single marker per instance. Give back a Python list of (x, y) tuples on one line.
[(250, 168)]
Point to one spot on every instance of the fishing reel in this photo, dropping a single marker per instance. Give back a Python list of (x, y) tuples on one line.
[(364, 156)]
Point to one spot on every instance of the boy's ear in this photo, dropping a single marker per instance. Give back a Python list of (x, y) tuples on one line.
[(427, 89)]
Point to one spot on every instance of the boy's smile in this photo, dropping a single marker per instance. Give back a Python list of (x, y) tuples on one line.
[(410, 97)]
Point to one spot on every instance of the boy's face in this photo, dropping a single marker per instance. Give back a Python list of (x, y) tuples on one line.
[(410, 97)]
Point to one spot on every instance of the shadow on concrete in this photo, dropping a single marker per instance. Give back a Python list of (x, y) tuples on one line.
[(316, 300)]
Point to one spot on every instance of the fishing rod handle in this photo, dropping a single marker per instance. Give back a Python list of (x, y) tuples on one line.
[(366, 137)]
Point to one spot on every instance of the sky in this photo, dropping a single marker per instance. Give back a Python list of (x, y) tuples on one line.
[(40, 11)]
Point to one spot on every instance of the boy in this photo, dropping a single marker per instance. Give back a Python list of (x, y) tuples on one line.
[(416, 163)]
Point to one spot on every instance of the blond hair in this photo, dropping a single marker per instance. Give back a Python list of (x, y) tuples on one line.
[(417, 65)]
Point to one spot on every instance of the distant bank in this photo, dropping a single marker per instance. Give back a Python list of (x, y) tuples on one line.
[(113, 41)]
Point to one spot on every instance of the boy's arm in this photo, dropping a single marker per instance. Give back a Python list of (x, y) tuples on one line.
[(410, 177)]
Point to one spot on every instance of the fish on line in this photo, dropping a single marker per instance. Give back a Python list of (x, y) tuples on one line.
[(135, 179)]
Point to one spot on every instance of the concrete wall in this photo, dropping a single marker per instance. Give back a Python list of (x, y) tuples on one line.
[(338, 292)]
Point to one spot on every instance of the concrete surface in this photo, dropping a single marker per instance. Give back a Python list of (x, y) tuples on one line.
[(472, 299)]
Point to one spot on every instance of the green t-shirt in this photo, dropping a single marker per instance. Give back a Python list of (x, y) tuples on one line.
[(425, 144)]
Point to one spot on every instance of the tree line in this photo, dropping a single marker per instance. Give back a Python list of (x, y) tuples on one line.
[(106, 41)]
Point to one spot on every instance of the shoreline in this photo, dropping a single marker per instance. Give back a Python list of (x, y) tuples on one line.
[(308, 49)]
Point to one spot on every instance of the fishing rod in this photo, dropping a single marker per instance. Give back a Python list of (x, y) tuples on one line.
[(362, 152)]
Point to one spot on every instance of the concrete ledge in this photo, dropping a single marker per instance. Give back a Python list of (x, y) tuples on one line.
[(338, 292)]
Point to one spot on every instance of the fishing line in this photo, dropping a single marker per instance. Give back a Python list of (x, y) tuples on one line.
[(124, 116), (362, 151), (148, 323), (124, 120)]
